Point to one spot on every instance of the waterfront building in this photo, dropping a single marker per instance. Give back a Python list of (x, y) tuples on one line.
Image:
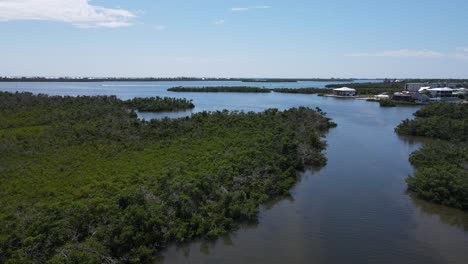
[(344, 91)]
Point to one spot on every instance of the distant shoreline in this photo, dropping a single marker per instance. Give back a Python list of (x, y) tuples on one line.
[(265, 80)]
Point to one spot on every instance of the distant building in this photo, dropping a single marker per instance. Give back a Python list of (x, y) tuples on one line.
[(382, 97), (344, 91), (406, 97), (391, 81), (459, 91), (440, 92), (415, 87)]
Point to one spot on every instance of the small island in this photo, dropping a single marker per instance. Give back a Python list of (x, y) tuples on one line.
[(303, 90), (219, 89)]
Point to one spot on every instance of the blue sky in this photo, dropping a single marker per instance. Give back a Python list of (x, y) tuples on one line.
[(347, 38)]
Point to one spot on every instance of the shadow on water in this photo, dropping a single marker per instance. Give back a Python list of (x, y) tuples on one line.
[(451, 216), (206, 246), (412, 140), (447, 215)]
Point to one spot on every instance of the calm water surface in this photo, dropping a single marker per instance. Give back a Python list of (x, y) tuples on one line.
[(354, 210)]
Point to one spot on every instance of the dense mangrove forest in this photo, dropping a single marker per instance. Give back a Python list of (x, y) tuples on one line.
[(442, 166), (220, 89), (84, 181), (158, 104)]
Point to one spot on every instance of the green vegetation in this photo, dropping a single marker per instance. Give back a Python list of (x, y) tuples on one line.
[(157, 104), (220, 89), (442, 166), (303, 90), (84, 181), (372, 88), (387, 103), (438, 120), (392, 103), (442, 175)]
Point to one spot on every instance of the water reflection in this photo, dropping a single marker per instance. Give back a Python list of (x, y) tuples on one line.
[(412, 140), (447, 215), (354, 210)]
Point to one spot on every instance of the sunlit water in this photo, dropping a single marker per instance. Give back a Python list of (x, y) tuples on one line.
[(354, 210)]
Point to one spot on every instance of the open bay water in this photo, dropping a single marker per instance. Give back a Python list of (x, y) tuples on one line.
[(353, 210)]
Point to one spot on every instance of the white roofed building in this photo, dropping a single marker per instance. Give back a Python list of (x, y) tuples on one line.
[(440, 92), (344, 91)]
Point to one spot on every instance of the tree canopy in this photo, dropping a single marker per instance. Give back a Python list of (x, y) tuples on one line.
[(84, 180), (442, 166)]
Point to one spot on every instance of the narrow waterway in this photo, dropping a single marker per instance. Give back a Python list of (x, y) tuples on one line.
[(354, 210)]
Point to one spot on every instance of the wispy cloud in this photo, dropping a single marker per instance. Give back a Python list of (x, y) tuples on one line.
[(240, 9), (79, 13), (160, 27), (219, 22), (461, 53), (402, 53)]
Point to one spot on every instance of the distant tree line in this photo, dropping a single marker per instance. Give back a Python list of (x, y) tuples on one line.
[(158, 79), (372, 88), (303, 90), (269, 80), (361, 89), (220, 89)]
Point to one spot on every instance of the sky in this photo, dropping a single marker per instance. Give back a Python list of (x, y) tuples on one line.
[(237, 38)]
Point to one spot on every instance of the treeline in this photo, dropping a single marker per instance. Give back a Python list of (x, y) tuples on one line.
[(372, 88), (157, 104), (106, 79), (393, 103), (150, 104), (303, 90), (159, 79), (445, 121), (269, 80), (220, 89), (85, 181), (246, 89), (442, 171), (460, 81)]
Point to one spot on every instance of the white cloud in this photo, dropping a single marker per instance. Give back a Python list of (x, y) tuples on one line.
[(462, 49), (79, 13), (402, 53), (240, 9), (160, 27), (219, 22)]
